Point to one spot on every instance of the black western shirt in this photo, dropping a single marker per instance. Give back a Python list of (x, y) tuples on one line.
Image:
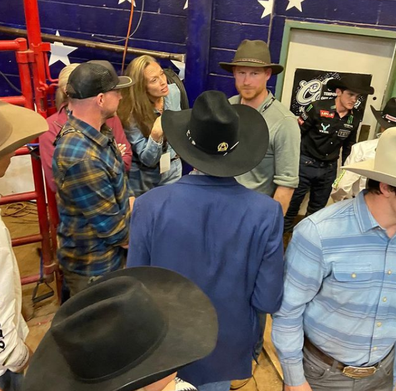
[(324, 132)]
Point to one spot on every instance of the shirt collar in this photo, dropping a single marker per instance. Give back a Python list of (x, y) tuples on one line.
[(365, 219), (102, 138), (266, 100), (208, 180)]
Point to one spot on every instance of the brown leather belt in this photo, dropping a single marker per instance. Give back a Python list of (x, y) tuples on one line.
[(347, 370)]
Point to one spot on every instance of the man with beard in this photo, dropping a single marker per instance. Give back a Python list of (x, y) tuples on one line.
[(277, 174), (92, 195)]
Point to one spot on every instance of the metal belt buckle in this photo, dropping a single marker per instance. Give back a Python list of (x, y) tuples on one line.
[(359, 372)]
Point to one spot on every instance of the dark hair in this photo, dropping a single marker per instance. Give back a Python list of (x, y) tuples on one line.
[(373, 187)]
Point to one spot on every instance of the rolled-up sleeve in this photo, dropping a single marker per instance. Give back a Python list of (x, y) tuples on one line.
[(287, 152), (146, 149)]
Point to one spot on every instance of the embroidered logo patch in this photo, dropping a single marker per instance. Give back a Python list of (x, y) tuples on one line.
[(326, 114), (343, 133), (324, 128)]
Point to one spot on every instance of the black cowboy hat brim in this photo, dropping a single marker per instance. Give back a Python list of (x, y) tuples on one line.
[(228, 66), (252, 147), (333, 84), (187, 308), (382, 121)]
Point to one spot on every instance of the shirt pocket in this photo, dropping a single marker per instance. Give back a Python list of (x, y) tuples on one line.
[(353, 273), (352, 283)]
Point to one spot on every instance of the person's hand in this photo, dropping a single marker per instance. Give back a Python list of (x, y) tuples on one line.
[(122, 149), (304, 387), (156, 132)]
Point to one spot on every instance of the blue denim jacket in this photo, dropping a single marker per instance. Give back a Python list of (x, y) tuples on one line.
[(145, 176)]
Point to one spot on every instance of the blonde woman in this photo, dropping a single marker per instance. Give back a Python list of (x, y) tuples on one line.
[(154, 162), (57, 120)]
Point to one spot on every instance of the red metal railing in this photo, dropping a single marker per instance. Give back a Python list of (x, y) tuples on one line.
[(33, 68)]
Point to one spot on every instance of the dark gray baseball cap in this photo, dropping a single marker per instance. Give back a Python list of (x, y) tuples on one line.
[(94, 77)]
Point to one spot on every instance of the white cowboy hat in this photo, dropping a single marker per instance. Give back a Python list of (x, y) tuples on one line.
[(383, 167)]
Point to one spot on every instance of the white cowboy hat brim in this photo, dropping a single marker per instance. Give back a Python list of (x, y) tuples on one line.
[(367, 169)]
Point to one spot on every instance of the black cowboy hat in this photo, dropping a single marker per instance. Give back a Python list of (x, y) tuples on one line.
[(127, 330), (387, 117), (352, 83), (216, 137), (252, 54)]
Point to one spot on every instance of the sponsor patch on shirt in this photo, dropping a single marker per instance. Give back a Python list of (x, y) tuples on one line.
[(300, 121), (343, 133), (309, 108), (324, 128), (348, 126), (326, 114), (304, 115)]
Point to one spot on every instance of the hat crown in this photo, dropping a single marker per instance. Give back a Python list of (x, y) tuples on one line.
[(214, 125), (255, 50), (90, 79), (6, 127), (108, 328), (389, 112), (385, 156)]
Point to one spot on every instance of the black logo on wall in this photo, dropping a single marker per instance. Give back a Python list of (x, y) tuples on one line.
[(310, 85)]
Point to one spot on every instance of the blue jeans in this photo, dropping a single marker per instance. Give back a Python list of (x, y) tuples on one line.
[(216, 386), (11, 381), (316, 177)]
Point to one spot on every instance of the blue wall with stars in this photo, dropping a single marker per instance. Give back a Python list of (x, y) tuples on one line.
[(164, 26)]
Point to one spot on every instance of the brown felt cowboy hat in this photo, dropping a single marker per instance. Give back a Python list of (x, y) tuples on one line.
[(252, 54), (387, 117), (216, 137), (127, 330), (18, 126), (383, 167), (352, 83)]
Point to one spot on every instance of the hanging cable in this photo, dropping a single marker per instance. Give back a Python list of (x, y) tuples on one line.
[(133, 33), (10, 83), (127, 39)]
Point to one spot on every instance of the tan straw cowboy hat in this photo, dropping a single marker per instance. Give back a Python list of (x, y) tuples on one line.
[(18, 126), (252, 54), (383, 167)]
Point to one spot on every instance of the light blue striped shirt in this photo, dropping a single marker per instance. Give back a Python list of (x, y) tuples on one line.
[(339, 289)]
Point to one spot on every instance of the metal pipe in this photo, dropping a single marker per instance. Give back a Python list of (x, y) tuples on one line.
[(29, 239), (96, 45), (15, 100), (10, 45), (30, 279), (19, 197)]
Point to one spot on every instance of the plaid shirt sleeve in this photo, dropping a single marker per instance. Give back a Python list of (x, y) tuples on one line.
[(90, 188)]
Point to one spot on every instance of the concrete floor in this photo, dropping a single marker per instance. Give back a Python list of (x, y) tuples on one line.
[(39, 316)]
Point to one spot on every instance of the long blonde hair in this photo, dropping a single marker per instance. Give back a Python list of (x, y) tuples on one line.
[(135, 104), (60, 95)]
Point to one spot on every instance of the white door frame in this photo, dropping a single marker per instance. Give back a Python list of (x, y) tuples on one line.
[(335, 28)]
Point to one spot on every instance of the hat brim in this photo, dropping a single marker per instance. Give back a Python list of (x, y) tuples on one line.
[(228, 66), (185, 306), (123, 82), (333, 84), (252, 147), (366, 169), (26, 126), (382, 121)]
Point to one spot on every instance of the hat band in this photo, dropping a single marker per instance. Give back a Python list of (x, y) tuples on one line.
[(389, 118), (222, 149), (255, 60)]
